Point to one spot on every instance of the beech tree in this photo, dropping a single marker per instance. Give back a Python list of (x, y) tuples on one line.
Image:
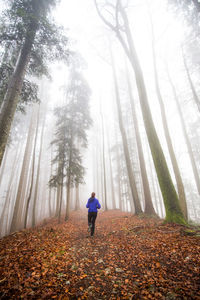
[(177, 173), (186, 137), (148, 207), (131, 177), (121, 28)]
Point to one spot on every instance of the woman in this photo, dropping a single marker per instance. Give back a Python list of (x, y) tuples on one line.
[(93, 204)]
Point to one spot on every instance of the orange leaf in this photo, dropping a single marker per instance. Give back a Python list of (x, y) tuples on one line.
[(157, 265), (126, 280)]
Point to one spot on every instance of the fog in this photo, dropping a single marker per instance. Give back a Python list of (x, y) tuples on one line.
[(101, 94)]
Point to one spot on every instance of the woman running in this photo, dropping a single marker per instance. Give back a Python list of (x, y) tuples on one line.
[(93, 204)]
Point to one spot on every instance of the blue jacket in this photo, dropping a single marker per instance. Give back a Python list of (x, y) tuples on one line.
[(93, 204)]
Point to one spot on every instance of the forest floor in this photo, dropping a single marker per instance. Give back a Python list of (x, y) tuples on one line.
[(128, 258)]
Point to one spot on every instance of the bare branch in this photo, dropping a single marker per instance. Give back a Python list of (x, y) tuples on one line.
[(117, 14), (109, 12), (103, 18)]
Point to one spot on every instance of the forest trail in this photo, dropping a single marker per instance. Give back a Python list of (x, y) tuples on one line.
[(128, 258)]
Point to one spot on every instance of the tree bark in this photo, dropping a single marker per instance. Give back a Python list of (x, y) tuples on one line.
[(104, 164), (57, 200), (60, 202), (173, 210), (32, 172), (37, 177), (2, 168), (148, 207), (111, 174), (50, 190), (17, 221), (68, 198), (68, 184), (118, 170), (132, 182), (9, 188), (77, 206), (180, 186)]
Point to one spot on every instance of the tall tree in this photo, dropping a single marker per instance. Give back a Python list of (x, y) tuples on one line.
[(111, 173), (11, 186), (32, 172), (38, 41), (104, 161), (17, 222), (132, 182), (35, 195), (148, 207), (180, 186), (77, 204), (123, 32), (73, 120), (187, 140)]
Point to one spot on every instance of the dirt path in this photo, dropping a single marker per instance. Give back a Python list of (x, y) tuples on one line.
[(129, 258)]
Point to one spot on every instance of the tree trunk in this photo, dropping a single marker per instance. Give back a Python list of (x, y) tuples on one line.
[(14, 87), (22, 186), (68, 198), (132, 182), (98, 185), (187, 141), (100, 170), (9, 188), (68, 184), (50, 190), (60, 202), (173, 210), (57, 200), (77, 206), (2, 168), (148, 207), (118, 170), (32, 172), (180, 186), (37, 177), (111, 174), (104, 164)]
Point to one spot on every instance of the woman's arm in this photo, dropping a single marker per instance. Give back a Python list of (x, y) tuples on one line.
[(98, 204)]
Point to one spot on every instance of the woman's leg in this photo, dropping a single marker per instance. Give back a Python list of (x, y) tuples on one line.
[(94, 215), (89, 218)]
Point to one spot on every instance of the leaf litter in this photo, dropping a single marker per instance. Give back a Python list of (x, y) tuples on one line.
[(128, 258)]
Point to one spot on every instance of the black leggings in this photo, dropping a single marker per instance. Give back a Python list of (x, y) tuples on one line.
[(91, 220)]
